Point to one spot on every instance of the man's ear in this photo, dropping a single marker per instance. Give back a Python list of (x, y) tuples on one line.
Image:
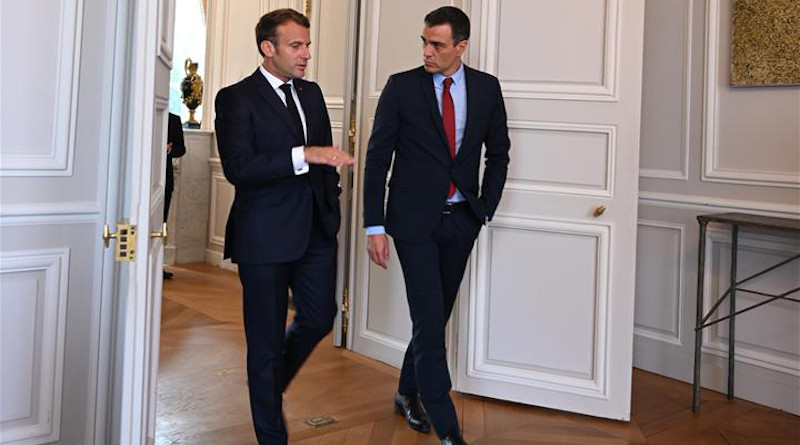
[(462, 46), (267, 48)]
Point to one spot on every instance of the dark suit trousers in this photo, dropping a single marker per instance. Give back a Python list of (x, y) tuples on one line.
[(167, 202), (274, 353), (433, 271)]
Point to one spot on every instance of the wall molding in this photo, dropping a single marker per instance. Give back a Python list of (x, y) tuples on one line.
[(745, 353), (607, 90), (686, 107), (59, 160), (712, 172), (609, 131), (710, 203), (478, 365), (673, 337), (44, 425)]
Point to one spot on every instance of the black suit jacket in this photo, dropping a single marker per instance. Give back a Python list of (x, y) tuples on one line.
[(409, 126), (174, 135), (271, 215)]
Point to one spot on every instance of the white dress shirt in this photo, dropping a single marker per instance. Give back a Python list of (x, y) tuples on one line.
[(298, 156)]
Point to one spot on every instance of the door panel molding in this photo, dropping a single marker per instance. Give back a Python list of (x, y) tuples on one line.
[(479, 364), (604, 90), (57, 159), (609, 132), (37, 420)]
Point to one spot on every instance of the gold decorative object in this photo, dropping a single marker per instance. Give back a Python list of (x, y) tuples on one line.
[(765, 43), (192, 90)]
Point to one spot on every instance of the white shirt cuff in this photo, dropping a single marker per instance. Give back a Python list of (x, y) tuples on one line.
[(376, 230), (299, 160)]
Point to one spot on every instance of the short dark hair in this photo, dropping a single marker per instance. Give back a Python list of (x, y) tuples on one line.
[(450, 15), (267, 26)]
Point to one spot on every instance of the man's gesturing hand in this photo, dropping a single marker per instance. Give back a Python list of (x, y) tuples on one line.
[(378, 247), (332, 156)]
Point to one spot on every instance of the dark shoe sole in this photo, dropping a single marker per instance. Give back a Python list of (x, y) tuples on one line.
[(422, 429)]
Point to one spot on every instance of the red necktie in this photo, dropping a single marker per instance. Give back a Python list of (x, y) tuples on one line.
[(449, 122)]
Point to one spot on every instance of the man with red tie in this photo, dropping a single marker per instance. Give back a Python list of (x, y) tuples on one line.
[(434, 120)]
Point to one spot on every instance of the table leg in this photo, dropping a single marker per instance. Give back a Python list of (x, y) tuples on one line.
[(732, 320), (698, 332)]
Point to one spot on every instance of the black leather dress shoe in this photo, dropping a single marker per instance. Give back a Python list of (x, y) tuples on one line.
[(454, 439), (411, 408), (167, 275)]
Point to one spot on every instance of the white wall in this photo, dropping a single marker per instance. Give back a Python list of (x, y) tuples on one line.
[(188, 217), (709, 148)]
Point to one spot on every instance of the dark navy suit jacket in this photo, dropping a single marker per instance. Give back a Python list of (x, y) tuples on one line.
[(409, 127), (272, 212)]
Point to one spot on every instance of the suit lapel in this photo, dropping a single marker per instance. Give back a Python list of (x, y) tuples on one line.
[(472, 110), (265, 90), (426, 83)]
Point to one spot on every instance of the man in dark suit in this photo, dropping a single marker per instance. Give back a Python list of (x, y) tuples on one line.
[(274, 139), (175, 149), (434, 120)]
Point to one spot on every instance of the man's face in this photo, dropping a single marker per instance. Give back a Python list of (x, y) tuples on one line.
[(289, 58), (440, 53)]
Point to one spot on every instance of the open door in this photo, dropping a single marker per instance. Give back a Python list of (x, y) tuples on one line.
[(150, 61), (545, 313), (548, 316)]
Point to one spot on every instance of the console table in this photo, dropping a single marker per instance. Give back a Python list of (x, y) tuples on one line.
[(789, 226)]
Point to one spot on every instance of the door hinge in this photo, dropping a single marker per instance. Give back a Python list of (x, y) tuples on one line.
[(352, 133), (125, 249), (345, 314)]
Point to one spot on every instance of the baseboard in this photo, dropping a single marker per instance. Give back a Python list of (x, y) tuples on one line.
[(215, 259)]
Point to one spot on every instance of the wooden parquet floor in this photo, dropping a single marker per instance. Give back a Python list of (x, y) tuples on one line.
[(203, 396)]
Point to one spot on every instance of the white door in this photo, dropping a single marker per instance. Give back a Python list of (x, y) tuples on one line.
[(389, 43), (548, 316), (546, 309), (59, 128), (150, 40)]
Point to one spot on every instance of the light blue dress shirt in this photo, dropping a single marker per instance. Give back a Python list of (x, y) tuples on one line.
[(458, 91)]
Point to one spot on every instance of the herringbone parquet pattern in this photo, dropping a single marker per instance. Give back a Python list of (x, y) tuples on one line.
[(203, 396)]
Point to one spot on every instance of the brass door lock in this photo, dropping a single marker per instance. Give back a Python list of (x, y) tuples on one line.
[(125, 250)]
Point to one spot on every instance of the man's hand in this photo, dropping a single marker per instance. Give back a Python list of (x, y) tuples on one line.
[(332, 156), (378, 247), (169, 147)]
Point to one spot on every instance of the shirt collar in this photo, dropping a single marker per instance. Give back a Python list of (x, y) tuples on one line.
[(438, 78), (272, 79)]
